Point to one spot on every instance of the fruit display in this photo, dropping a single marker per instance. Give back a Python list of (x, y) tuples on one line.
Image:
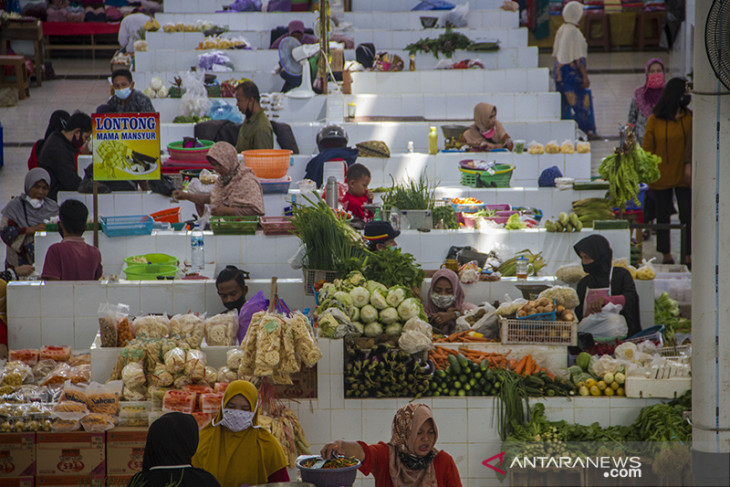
[(591, 209), (216, 42), (564, 223), (626, 168), (666, 313), (590, 383), (544, 306)]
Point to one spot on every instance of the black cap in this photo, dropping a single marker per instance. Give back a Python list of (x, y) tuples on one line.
[(380, 231)]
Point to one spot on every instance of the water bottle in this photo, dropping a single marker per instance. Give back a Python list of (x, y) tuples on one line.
[(197, 248), (433, 141), (332, 192)]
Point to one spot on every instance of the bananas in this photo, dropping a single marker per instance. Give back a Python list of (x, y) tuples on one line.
[(565, 223)]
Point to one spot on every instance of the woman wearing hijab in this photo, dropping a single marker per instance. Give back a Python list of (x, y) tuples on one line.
[(569, 72), (445, 301), (596, 256), (57, 122), (487, 133), (646, 96), (22, 217), (236, 192), (171, 443), (669, 135), (234, 448), (409, 458)]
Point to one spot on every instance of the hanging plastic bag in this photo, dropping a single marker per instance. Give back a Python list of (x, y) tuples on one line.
[(194, 101), (257, 303), (646, 271), (220, 110)]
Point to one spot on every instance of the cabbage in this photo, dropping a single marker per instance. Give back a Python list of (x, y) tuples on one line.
[(327, 325), (368, 314), (354, 314), (343, 298), (396, 295), (162, 92), (378, 300), (149, 92), (356, 278), (360, 296), (388, 316), (360, 327), (409, 308), (393, 329), (156, 83), (373, 285), (328, 289), (373, 329)]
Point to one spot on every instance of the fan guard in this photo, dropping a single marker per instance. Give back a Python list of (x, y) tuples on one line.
[(717, 40)]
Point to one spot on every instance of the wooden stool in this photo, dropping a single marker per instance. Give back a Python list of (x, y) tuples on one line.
[(26, 31), (21, 76), (648, 30), (602, 40)]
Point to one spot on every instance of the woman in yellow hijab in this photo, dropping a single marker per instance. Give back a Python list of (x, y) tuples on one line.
[(234, 448)]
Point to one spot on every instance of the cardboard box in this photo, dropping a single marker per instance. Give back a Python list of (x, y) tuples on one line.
[(17, 481), (304, 385), (76, 454), (124, 451), (17, 455), (69, 480), (118, 480)]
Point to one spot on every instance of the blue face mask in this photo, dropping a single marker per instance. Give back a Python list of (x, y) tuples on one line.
[(123, 94)]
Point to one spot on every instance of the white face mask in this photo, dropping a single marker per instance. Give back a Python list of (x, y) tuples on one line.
[(237, 420), (34, 202), (443, 300)]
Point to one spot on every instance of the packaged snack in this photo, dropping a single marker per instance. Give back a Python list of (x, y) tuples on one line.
[(198, 388), (138, 393), (28, 355), (211, 375), (535, 148), (189, 327), (43, 368), (160, 376), (203, 419), (104, 398), (133, 375), (220, 387), (233, 358), (195, 365), (15, 373), (69, 410), (306, 347), (80, 373), (210, 402), (110, 316), (181, 380), (151, 326), (567, 147), (222, 329), (583, 147), (552, 147), (98, 422), (57, 376), (175, 360), (226, 375), (58, 353), (65, 425), (180, 401), (83, 358), (76, 393), (124, 332)]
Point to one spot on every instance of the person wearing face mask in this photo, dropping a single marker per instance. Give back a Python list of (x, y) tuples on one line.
[(231, 287), (125, 99), (646, 97), (445, 301), (58, 155), (487, 133), (256, 131), (171, 443), (22, 217), (669, 135), (236, 192), (234, 448), (410, 458), (596, 257)]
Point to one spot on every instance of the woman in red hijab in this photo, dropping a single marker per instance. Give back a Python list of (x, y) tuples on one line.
[(409, 458), (445, 301)]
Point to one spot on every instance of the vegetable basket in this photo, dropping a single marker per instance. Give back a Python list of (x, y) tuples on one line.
[(313, 276), (126, 226), (328, 477), (473, 208), (529, 332), (277, 225), (500, 176), (234, 225)]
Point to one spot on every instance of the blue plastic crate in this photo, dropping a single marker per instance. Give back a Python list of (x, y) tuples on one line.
[(126, 226), (630, 205)]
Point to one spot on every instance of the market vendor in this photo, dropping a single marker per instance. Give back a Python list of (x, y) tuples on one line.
[(23, 217), (236, 192), (125, 99), (596, 256), (234, 448), (409, 458), (171, 443), (231, 287), (256, 131), (444, 302), (380, 235), (487, 133)]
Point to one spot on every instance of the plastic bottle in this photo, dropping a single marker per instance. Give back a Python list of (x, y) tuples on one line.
[(197, 248), (332, 192), (433, 142), (412, 64)]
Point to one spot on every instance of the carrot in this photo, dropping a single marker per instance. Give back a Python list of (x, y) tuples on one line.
[(550, 374), (529, 366), (512, 363), (521, 364)]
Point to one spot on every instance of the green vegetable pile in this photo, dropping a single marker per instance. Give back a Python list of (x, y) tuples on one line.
[(415, 195), (628, 166), (444, 217), (446, 44), (384, 371), (189, 119), (514, 223), (591, 209), (666, 312), (394, 268)]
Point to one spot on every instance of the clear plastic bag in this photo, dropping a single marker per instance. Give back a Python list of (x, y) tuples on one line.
[(220, 110), (110, 315), (151, 326), (234, 357), (104, 398), (98, 422), (605, 324), (227, 375), (175, 360), (189, 327), (195, 363), (510, 306), (16, 373), (222, 329), (133, 375)]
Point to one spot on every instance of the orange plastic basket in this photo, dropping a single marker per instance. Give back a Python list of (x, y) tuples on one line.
[(171, 215), (268, 163)]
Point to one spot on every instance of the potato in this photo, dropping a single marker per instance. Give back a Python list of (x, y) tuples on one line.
[(521, 313), (549, 308), (560, 309), (568, 316)]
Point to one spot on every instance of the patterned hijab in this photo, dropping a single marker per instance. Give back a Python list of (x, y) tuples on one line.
[(407, 468), (646, 98), (237, 185)]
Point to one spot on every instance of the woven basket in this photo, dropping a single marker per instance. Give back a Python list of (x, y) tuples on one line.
[(8, 97)]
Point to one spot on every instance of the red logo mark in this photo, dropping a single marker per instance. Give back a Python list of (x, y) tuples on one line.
[(496, 469)]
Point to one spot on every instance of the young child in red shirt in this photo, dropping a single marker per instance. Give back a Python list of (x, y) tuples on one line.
[(358, 179), (72, 259)]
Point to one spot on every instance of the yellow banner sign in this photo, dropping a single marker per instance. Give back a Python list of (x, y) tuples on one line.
[(126, 146)]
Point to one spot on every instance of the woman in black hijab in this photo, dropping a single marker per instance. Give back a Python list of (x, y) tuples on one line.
[(597, 258), (171, 443)]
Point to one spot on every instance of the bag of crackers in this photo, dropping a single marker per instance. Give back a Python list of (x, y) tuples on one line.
[(115, 329)]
